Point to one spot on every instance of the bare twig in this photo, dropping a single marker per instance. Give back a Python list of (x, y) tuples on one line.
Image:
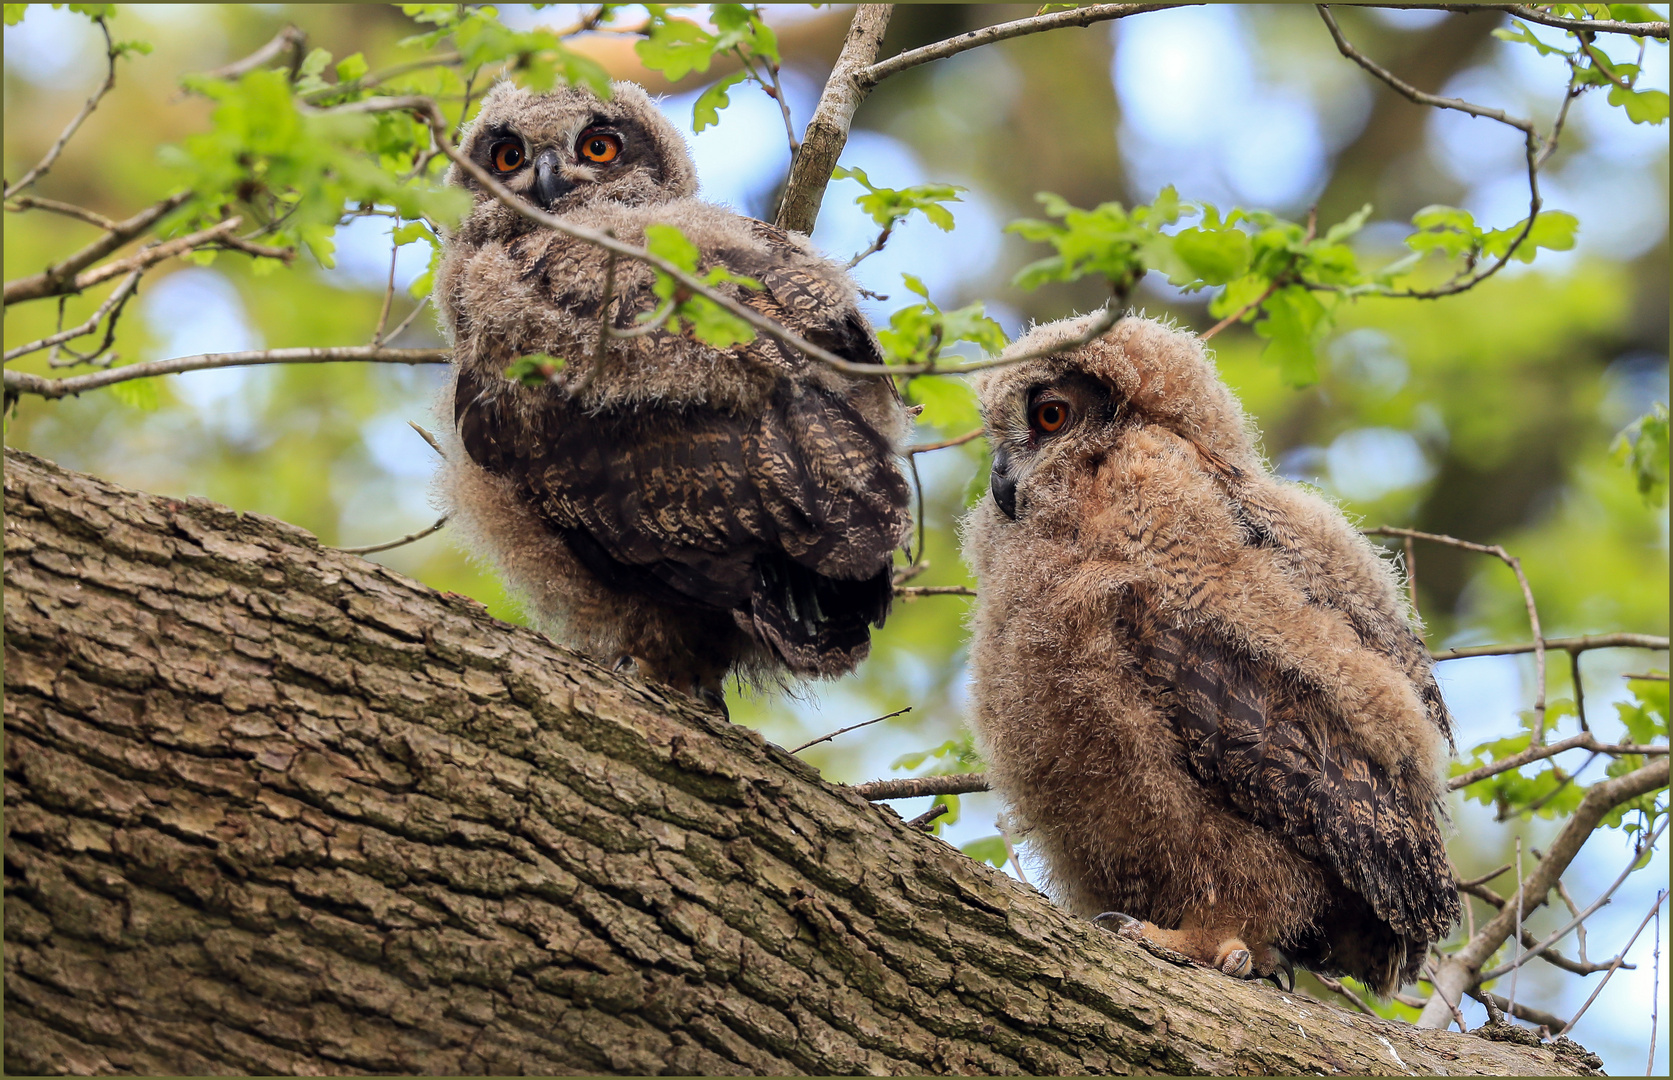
[(1576, 644), (1429, 965), (927, 818), (1010, 851), (1335, 986), (1661, 897), (1461, 968), (81, 213), (401, 326), (1649, 676), (1545, 18), (1562, 931), (1497, 1004), (429, 438), (913, 786), (407, 539), (1080, 16), (1531, 145), (876, 246), (1515, 565), (1516, 941), (17, 382), (69, 131), (957, 440), (912, 592), (1583, 741), (112, 306), (827, 130), (1242, 311), (1655, 994), (1579, 690), (290, 39), (1483, 879), (55, 278), (388, 297), (850, 727)]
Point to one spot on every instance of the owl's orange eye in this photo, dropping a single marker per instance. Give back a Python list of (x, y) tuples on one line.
[(1049, 416), (507, 156), (599, 147)]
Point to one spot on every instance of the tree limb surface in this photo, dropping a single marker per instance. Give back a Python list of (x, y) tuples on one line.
[(272, 808)]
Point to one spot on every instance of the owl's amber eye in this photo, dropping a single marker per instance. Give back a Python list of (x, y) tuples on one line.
[(1049, 416), (599, 147), (508, 156)]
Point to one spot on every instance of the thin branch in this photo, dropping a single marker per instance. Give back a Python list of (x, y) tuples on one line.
[(957, 440), (1655, 994), (1242, 311), (51, 281), (17, 382), (1460, 969), (876, 246), (1583, 741), (1483, 879), (1410, 92), (289, 39), (401, 326), (1575, 644), (1561, 932), (429, 438), (913, 786), (1579, 690), (57, 147), (850, 727), (927, 818), (388, 297), (1516, 941), (118, 297), (407, 539), (1545, 18), (1546, 951), (1335, 986), (1515, 565), (1011, 852), (1661, 897), (1523, 1012), (827, 130), (1429, 963), (1080, 16), (1531, 142), (912, 592), (34, 202)]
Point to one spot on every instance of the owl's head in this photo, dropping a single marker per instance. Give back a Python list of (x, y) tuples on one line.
[(1067, 408), (570, 148)]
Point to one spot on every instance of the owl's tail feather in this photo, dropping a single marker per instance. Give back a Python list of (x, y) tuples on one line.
[(817, 625)]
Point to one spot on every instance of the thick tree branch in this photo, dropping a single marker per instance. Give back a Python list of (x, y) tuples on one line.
[(274, 809), (19, 382), (827, 131)]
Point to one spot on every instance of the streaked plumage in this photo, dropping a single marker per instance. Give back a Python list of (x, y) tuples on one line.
[(701, 510), (1196, 684)]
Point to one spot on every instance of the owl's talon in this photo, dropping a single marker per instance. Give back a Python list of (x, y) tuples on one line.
[(1284, 966), (1237, 963), (623, 662)]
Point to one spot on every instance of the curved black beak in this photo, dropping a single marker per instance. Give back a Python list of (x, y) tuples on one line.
[(1003, 484), (549, 186)]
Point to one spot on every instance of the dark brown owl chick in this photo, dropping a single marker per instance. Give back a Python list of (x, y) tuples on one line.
[(700, 510), (1197, 686)]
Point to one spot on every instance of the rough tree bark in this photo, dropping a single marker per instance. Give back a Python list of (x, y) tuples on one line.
[(273, 808)]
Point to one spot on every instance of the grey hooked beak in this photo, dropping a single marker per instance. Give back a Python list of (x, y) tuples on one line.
[(549, 186), (1003, 484)]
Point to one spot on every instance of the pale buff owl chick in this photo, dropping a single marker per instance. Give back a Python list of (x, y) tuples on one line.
[(1197, 686), (700, 510)]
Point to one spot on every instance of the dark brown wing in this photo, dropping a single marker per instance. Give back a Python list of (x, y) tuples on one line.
[(1269, 741), (703, 508)]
